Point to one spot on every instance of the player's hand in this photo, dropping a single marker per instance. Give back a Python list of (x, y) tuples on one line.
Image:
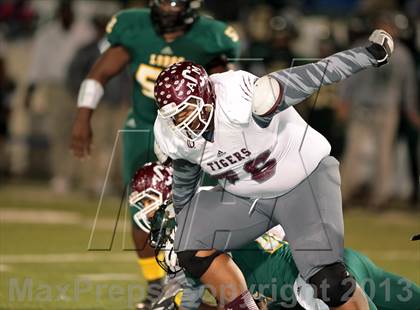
[(382, 46), (81, 137)]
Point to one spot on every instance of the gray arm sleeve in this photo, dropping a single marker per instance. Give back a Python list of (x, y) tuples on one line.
[(298, 83), (185, 179)]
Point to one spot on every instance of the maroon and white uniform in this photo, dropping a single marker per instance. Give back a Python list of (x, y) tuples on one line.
[(273, 167)]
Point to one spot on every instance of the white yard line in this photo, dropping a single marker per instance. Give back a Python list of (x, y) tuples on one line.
[(5, 268), (109, 277), (88, 257), (15, 215), (53, 217)]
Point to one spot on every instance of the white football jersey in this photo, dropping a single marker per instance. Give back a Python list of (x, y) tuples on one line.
[(248, 160)]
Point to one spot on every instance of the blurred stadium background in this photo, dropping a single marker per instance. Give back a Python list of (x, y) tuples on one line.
[(50, 255)]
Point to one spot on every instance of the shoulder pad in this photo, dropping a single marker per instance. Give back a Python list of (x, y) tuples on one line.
[(267, 95), (133, 15), (234, 93), (126, 20)]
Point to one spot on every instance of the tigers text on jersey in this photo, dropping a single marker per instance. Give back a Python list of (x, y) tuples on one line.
[(248, 160)]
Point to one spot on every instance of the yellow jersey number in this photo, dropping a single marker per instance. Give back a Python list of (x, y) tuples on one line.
[(232, 34), (111, 24), (146, 76)]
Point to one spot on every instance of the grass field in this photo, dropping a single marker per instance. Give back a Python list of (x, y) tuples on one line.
[(47, 261)]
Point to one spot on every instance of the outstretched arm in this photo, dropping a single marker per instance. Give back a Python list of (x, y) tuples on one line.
[(298, 83), (279, 90)]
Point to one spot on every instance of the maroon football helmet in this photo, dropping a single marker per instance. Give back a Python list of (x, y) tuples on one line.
[(186, 85), (152, 183)]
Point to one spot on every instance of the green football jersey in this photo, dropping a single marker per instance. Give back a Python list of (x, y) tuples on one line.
[(269, 270), (268, 267), (150, 53)]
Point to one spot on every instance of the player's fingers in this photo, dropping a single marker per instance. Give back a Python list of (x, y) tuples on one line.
[(78, 153), (78, 147), (74, 147)]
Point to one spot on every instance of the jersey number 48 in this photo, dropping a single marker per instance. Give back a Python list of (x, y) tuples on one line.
[(261, 169)]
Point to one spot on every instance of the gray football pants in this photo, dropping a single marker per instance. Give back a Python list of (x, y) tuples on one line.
[(310, 213)]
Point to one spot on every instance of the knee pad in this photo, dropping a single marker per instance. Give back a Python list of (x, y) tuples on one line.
[(333, 284), (196, 266)]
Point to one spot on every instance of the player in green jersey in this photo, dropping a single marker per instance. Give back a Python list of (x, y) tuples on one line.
[(269, 269), (148, 40)]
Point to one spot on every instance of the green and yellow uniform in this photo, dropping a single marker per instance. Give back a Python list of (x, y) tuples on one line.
[(269, 269), (150, 53), (267, 264)]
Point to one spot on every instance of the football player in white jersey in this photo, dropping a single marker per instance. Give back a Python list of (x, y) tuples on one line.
[(273, 168)]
